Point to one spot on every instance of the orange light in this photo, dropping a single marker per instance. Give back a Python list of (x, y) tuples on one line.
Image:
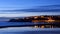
[(42, 26), (42, 16), (35, 17)]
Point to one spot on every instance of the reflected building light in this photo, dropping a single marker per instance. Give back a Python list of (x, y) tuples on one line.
[(42, 26), (36, 26), (51, 26)]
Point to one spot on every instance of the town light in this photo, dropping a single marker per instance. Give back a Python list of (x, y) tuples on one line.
[(42, 16), (35, 17)]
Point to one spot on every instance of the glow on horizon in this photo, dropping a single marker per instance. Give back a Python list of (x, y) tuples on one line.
[(24, 14)]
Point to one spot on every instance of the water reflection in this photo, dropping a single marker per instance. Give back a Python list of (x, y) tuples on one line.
[(31, 24), (47, 25)]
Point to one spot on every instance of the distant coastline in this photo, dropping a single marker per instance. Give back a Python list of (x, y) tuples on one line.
[(37, 19)]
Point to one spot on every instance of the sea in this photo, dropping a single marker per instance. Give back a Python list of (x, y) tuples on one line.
[(28, 28), (20, 23)]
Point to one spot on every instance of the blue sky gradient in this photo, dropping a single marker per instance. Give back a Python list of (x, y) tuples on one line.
[(27, 4), (23, 4)]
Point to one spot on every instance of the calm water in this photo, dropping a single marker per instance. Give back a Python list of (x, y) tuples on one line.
[(27, 30), (16, 23), (27, 24), (19, 23)]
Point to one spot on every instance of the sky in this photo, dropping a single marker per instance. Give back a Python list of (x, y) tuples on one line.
[(24, 4)]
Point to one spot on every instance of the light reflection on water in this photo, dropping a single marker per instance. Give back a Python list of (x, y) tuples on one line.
[(45, 26), (36, 29), (28, 24)]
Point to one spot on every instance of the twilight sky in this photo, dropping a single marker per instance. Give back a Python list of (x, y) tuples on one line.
[(25, 4)]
